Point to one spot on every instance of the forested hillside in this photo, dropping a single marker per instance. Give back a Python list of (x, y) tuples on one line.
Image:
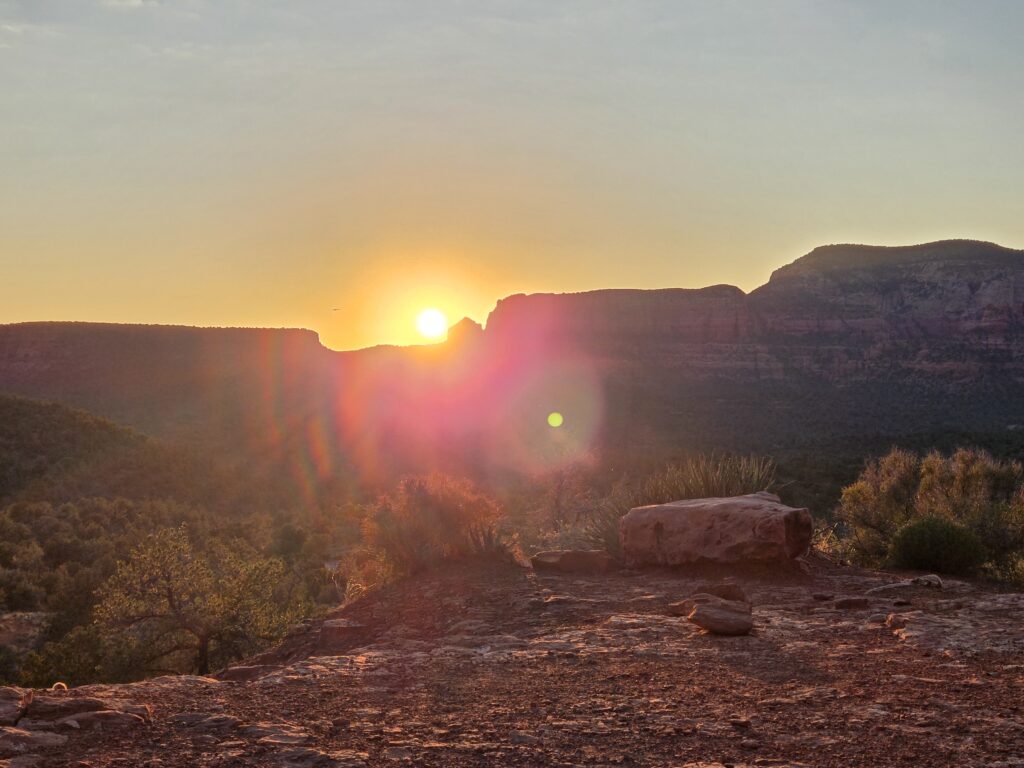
[(79, 495)]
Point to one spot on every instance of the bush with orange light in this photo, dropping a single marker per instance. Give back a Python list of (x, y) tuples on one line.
[(434, 519)]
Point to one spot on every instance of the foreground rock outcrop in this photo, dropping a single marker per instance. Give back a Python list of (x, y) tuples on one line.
[(515, 668), (752, 528), (32, 722)]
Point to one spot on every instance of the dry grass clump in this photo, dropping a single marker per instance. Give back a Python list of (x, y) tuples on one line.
[(698, 477)]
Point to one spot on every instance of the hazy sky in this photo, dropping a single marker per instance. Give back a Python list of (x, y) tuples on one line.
[(261, 162)]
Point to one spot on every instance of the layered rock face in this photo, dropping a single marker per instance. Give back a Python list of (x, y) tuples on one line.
[(738, 529), (846, 341), (166, 380), (953, 309), (840, 312)]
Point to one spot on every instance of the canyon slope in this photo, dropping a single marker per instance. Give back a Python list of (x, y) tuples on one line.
[(846, 342)]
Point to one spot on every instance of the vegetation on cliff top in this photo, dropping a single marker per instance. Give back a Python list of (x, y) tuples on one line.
[(81, 495)]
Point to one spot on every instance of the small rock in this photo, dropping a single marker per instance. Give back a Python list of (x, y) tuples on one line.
[(931, 580), (204, 722), (877, 618), (573, 561), (22, 761), (307, 757), (106, 719), (277, 734), (895, 621), (720, 617), (339, 631), (523, 737), (246, 672), (12, 705), (15, 741), (851, 603), (890, 587), (726, 591)]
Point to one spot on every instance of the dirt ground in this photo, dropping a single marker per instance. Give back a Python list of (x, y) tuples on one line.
[(505, 667)]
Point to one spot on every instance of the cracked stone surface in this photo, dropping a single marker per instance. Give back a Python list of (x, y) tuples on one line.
[(482, 668)]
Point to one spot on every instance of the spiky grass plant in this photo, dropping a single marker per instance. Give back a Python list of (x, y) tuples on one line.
[(697, 477)]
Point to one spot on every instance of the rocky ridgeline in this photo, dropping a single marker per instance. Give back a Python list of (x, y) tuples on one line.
[(842, 311), (877, 339)]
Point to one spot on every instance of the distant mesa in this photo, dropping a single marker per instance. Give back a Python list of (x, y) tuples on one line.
[(853, 258), (847, 341)]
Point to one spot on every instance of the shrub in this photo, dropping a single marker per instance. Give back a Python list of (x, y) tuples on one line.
[(879, 503), (698, 477), (361, 570), (970, 489), (937, 544), (432, 519)]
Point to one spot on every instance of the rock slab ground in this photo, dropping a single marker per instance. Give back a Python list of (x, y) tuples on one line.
[(513, 668)]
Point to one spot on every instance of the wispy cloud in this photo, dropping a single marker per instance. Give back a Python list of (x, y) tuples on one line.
[(128, 3), (183, 51), (11, 29)]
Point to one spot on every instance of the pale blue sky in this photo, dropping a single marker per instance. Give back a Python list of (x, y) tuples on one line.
[(260, 162)]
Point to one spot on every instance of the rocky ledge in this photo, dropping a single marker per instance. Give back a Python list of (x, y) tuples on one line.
[(483, 667)]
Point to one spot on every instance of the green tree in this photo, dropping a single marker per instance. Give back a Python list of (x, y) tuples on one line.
[(185, 610)]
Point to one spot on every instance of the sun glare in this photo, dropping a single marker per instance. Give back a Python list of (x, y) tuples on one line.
[(432, 324)]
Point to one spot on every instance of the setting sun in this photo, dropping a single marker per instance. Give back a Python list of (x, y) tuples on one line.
[(432, 324)]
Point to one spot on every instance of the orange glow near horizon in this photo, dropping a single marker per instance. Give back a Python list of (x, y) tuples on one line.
[(410, 296)]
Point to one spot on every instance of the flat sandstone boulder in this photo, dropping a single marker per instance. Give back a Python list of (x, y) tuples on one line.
[(719, 617), (573, 561), (736, 529)]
